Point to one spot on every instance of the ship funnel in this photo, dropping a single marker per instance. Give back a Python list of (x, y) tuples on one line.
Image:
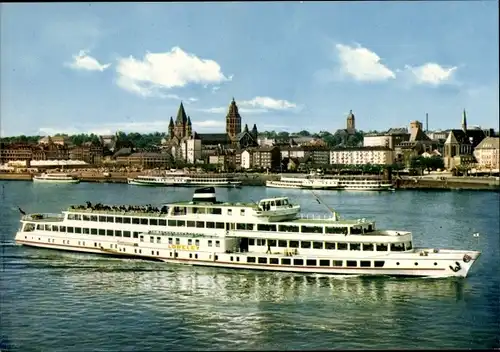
[(206, 194)]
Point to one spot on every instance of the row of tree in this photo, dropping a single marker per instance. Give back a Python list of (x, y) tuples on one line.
[(332, 140), (148, 140)]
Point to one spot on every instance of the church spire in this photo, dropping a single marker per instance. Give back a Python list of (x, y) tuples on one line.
[(254, 132), (171, 128), (246, 128), (464, 122), (181, 115)]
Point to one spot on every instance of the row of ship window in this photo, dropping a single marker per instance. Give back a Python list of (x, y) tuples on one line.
[(379, 247), (314, 262), (220, 225)]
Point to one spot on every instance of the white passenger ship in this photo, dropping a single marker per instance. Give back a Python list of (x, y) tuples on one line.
[(327, 182), (150, 181), (197, 180), (55, 178), (181, 180), (268, 235), (304, 183)]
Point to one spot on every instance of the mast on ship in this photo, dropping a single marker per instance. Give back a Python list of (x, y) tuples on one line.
[(320, 201)]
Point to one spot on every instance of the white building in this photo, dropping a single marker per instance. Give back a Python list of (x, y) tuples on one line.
[(361, 156), (246, 159), (487, 153), (192, 150), (376, 140)]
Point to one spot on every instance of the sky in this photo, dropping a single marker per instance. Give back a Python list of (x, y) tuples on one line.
[(107, 67)]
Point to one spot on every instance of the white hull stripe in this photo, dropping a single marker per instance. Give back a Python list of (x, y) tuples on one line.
[(276, 267)]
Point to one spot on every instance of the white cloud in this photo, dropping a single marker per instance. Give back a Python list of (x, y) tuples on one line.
[(174, 68), (215, 89), (269, 103), (431, 73), (83, 61), (362, 64)]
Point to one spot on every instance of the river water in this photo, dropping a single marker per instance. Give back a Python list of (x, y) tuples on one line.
[(60, 301)]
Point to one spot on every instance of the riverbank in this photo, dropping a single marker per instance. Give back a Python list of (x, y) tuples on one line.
[(446, 185), (121, 177), (411, 183)]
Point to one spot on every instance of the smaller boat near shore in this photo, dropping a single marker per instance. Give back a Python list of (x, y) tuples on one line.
[(55, 178), (154, 181), (185, 180), (314, 181)]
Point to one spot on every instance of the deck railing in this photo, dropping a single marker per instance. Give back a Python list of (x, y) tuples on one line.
[(117, 212), (42, 216), (315, 216)]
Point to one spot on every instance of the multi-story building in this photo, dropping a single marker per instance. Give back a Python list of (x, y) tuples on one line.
[(16, 152), (28, 152), (320, 156), (487, 153), (147, 159), (191, 150), (265, 158), (226, 160), (246, 159), (88, 152), (362, 156), (376, 140), (390, 139)]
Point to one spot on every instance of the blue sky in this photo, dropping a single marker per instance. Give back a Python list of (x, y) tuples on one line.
[(290, 66)]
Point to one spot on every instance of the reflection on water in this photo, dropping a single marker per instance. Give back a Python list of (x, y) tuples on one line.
[(239, 308)]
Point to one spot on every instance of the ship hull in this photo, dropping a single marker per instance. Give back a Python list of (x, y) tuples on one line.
[(445, 263), (39, 180)]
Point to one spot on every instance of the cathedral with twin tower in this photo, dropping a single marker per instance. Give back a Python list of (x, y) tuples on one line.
[(181, 130)]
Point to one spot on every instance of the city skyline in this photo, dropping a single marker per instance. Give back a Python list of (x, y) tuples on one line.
[(102, 68)]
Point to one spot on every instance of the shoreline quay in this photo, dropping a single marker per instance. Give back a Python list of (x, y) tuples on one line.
[(449, 183)]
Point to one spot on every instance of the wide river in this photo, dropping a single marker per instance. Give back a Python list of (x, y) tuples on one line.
[(59, 301)]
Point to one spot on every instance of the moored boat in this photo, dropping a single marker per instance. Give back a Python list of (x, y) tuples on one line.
[(55, 178), (315, 181), (157, 181), (270, 235), (199, 180)]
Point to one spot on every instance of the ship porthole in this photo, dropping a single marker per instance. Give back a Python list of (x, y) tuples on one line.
[(416, 263), (435, 263), (397, 263)]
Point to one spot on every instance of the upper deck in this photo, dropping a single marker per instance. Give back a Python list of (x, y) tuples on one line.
[(276, 214)]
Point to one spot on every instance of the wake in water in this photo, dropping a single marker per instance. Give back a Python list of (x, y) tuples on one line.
[(8, 244)]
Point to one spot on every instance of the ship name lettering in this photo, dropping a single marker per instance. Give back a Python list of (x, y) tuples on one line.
[(183, 247)]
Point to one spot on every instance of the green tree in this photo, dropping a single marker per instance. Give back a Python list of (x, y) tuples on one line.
[(283, 135)]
